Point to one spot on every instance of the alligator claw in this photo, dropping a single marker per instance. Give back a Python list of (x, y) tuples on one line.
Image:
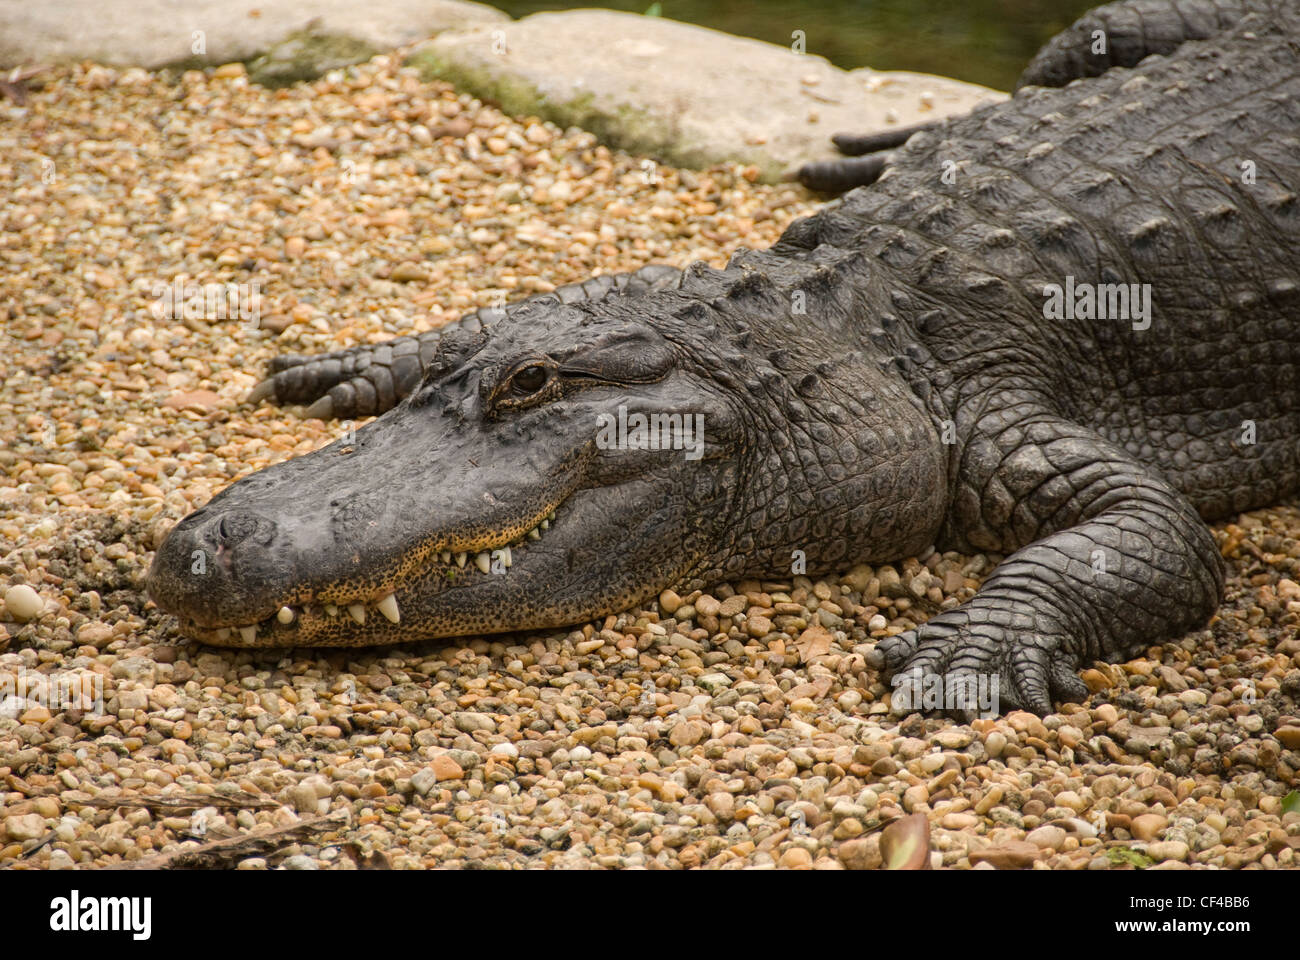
[(260, 392), (841, 175), (977, 660), (860, 144), (864, 159), (322, 409)]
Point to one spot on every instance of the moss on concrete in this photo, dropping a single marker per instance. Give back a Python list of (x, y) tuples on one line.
[(305, 55)]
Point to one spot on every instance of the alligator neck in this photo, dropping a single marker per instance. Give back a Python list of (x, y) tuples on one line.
[(843, 427)]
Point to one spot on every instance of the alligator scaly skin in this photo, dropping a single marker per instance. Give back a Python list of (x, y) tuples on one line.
[(1133, 30)]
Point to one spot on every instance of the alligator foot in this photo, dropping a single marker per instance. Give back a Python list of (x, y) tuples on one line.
[(986, 659), (865, 156), (372, 378), (1107, 559), (364, 380)]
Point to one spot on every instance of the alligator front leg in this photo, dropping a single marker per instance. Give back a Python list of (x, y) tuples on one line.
[(1111, 560), (372, 378)]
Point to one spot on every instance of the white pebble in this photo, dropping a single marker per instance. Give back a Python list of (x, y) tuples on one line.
[(23, 603)]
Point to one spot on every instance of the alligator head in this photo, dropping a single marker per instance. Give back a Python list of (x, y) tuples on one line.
[(568, 463)]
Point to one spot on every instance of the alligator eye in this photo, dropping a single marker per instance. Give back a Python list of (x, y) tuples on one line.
[(529, 380)]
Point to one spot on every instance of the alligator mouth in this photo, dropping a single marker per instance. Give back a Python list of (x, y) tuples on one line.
[(339, 613)]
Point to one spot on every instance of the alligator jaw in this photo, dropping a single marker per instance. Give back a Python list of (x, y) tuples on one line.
[(336, 615)]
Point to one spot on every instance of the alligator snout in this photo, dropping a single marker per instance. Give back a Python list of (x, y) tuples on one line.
[(215, 555), (230, 530), (214, 538)]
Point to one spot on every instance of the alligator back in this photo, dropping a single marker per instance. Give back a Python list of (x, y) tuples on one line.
[(1179, 176)]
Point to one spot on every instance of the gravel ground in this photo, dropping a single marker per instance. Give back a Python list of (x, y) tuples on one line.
[(736, 729)]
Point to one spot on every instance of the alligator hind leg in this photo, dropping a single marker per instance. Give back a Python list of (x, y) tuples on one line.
[(372, 378), (1118, 34), (1108, 559)]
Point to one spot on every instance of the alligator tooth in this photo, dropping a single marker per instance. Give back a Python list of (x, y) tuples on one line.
[(483, 561), (332, 610), (223, 634), (446, 556), (534, 534), (249, 633), (285, 615), (358, 612), (506, 558), (545, 524), (460, 560), (388, 607), (551, 515)]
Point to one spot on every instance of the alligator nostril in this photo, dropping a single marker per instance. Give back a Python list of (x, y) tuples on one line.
[(233, 528)]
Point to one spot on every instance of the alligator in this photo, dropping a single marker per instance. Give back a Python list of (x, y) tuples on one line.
[(1064, 328)]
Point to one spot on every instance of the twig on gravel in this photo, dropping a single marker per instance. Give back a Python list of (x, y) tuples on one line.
[(224, 854), (171, 804), (27, 852), (190, 802)]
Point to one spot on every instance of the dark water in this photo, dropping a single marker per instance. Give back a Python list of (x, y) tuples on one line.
[(983, 41)]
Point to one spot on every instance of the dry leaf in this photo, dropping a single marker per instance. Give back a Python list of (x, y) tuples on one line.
[(905, 844), (813, 642)]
